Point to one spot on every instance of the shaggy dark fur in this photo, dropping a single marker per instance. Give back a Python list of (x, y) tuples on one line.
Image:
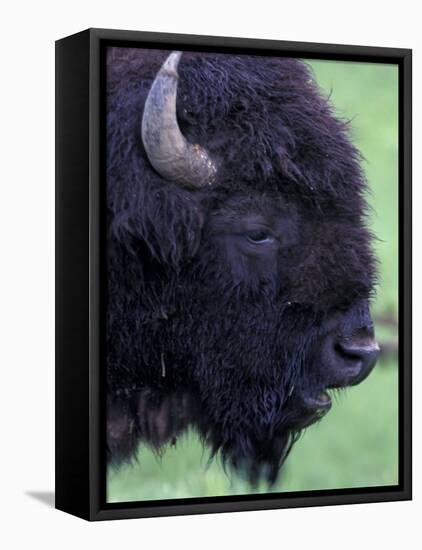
[(205, 327)]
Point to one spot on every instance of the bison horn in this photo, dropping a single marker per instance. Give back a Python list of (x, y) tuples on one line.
[(172, 156)]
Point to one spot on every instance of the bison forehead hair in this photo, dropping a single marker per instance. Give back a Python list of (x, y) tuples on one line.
[(233, 305)]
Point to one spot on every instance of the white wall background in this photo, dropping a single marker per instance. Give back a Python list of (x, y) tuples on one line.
[(27, 272)]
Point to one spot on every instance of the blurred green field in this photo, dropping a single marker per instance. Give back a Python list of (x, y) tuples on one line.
[(356, 445)]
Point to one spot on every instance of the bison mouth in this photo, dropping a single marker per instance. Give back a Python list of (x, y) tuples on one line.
[(312, 409), (305, 410)]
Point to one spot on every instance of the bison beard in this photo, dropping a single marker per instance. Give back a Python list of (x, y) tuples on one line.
[(235, 304)]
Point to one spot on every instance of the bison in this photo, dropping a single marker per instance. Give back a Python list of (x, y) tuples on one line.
[(239, 261)]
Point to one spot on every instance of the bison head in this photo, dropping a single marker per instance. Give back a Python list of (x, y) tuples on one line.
[(239, 262)]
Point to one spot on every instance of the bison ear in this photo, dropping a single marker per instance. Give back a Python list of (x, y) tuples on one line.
[(166, 218)]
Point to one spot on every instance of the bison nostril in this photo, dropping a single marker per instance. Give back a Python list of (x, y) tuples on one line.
[(359, 356)]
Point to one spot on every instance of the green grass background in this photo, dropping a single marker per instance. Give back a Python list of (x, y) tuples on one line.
[(356, 444)]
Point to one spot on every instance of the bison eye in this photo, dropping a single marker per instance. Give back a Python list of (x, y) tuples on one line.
[(260, 237)]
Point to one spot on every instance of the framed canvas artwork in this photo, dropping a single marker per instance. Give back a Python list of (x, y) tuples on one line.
[(233, 274)]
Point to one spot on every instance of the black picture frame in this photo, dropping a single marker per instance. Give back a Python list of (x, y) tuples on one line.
[(80, 468)]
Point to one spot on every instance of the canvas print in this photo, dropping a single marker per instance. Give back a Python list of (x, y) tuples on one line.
[(251, 274)]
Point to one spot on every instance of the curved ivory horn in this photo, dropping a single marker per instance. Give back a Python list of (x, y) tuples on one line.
[(172, 156)]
